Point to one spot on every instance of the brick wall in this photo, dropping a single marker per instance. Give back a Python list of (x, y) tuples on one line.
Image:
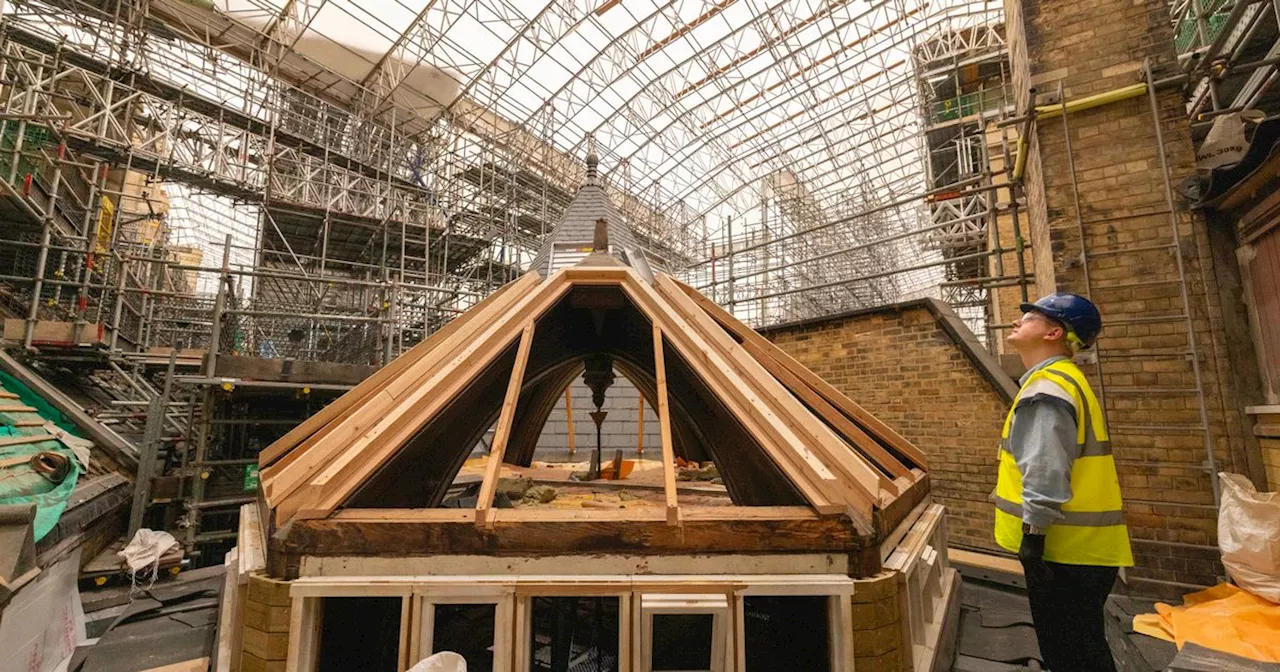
[(266, 625), (878, 635), (1093, 46), (902, 366)]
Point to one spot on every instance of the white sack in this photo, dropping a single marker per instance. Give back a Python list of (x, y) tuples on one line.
[(1249, 536)]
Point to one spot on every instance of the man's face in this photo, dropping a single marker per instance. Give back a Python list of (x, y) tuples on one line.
[(1034, 328)]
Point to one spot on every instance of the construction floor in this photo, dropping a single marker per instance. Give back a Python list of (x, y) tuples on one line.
[(996, 635)]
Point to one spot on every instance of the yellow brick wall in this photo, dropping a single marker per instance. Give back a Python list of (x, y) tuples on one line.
[(878, 636), (1093, 46), (902, 367), (266, 625)]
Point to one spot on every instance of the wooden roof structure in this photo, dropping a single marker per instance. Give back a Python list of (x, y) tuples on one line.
[(805, 466)]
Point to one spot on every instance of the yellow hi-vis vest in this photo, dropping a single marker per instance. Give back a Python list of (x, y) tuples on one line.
[(1091, 530)]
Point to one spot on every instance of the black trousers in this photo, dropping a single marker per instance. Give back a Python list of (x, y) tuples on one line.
[(1068, 613)]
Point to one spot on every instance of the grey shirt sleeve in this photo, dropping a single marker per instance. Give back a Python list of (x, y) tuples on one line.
[(1043, 441)]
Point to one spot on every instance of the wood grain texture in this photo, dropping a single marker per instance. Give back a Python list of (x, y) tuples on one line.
[(823, 440), (502, 432), (873, 425), (664, 420), (534, 537), (378, 380)]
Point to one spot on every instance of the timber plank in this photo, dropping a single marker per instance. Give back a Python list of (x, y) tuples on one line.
[(819, 486), (873, 425), (832, 416), (329, 442), (664, 422), (498, 450), (361, 394), (825, 440), (356, 460)]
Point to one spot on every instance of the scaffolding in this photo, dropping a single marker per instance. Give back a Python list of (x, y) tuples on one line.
[(218, 204), (1231, 51)]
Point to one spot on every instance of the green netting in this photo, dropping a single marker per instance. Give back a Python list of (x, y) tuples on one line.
[(21, 484), (968, 104), (34, 137), (44, 408), (1185, 38)]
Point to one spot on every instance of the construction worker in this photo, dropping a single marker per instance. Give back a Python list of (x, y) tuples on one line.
[(1057, 494)]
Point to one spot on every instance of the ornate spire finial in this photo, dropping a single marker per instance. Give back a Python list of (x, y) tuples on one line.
[(593, 162)]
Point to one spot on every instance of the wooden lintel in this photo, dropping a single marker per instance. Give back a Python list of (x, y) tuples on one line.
[(333, 536)]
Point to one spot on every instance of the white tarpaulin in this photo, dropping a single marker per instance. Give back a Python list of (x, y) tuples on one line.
[(44, 622)]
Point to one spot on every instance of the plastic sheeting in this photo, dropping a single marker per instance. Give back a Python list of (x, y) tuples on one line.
[(1223, 618), (20, 484), (45, 621)]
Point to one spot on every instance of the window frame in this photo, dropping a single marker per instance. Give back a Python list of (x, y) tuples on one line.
[(719, 606), (426, 600), (523, 645), (513, 623)]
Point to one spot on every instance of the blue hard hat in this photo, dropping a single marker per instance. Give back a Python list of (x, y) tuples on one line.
[(1080, 316)]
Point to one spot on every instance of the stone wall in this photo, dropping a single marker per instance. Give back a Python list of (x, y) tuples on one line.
[(903, 365)]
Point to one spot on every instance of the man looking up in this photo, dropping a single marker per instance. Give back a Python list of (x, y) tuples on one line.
[(1057, 494)]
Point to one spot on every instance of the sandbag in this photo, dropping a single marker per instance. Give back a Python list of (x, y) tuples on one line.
[(1249, 536)]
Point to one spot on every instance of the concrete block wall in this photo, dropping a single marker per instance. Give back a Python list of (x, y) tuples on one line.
[(901, 366), (266, 625), (879, 637), (1094, 46)]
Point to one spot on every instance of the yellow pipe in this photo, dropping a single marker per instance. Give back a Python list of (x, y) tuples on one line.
[(1073, 106)]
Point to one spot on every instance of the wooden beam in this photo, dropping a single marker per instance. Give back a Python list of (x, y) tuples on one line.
[(810, 476), (356, 459), (568, 411), (640, 429), (314, 428), (103, 437), (873, 425), (664, 425), (802, 420), (498, 450), (335, 537), (811, 444), (327, 444), (832, 416), (30, 438)]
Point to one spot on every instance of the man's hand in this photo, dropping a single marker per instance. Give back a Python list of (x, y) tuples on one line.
[(1031, 553)]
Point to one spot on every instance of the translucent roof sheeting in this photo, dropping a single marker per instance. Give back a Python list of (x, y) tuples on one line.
[(793, 126)]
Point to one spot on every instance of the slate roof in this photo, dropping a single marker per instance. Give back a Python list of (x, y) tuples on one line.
[(578, 223)]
